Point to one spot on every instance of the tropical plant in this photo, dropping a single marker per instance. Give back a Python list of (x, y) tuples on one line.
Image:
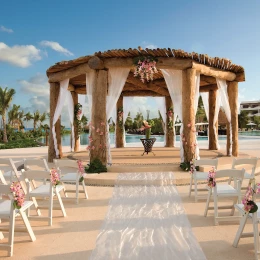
[(6, 97), (36, 119), (243, 119), (84, 121), (42, 118), (139, 119), (27, 117), (201, 115), (95, 166)]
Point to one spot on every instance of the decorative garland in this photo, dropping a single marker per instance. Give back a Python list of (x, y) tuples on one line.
[(18, 194), (248, 201), (81, 170), (170, 120), (120, 113), (77, 118), (211, 178), (55, 177), (145, 68)]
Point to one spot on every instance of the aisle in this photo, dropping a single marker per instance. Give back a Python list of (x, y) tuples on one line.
[(146, 222)]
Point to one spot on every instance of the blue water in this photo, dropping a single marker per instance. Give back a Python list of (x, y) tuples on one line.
[(159, 138)]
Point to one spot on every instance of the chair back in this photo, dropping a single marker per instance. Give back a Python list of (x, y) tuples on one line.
[(5, 164), (36, 175), (36, 164), (65, 163), (5, 189), (245, 161), (207, 162)]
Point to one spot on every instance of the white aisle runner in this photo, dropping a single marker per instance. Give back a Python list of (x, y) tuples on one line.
[(146, 222)]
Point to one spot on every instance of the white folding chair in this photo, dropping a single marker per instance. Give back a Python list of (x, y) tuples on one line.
[(200, 176), (9, 170), (245, 162), (225, 191), (42, 191), (71, 177), (7, 211)]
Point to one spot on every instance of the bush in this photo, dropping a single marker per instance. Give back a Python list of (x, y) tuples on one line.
[(185, 166), (19, 144), (95, 166)]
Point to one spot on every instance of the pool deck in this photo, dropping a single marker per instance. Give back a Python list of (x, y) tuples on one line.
[(74, 237)]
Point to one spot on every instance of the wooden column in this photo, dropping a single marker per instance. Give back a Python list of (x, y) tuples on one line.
[(119, 130), (228, 140), (169, 133), (77, 139), (213, 136), (233, 97), (188, 112), (98, 119), (54, 94)]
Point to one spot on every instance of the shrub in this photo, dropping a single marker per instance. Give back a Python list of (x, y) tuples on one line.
[(95, 166)]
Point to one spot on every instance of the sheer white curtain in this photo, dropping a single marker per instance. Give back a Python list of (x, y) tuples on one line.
[(63, 96), (173, 80), (117, 79), (196, 102), (205, 100), (222, 89), (127, 103), (160, 102)]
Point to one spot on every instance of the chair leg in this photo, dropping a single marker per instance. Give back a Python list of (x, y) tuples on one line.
[(240, 229), (196, 190), (191, 181), (11, 233), (27, 225), (64, 191), (256, 235), (229, 181), (207, 204), (61, 204), (233, 207), (36, 207), (85, 189), (50, 210), (215, 210), (77, 191)]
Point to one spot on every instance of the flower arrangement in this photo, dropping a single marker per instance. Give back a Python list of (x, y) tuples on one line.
[(120, 114), (248, 201), (77, 118), (18, 193), (147, 128), (170, 118), (211, 178), (81, 170), (55, 177), (145, 68), (192, 167)]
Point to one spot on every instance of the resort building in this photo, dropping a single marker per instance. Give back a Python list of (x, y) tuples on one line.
[(252, 107)]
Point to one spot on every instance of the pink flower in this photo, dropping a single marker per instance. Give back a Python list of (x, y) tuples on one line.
[(93, 147), (98, 130), (102, 123), (189, 124), (93, 127), (101, 133), (88, 147)]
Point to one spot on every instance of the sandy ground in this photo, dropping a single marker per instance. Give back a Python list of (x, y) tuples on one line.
[(74, 237)]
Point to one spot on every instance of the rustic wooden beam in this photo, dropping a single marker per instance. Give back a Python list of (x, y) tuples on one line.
[(208, 88), (141, 93), (213, 135), (69, 73), (169, 133), (96, 63), (98, 118), (208, 79), (80, 90), (240, 77), (71, 87), (77, 139), (233, 97), (119, 128), (213, 72), (54, 95), (188, 113)]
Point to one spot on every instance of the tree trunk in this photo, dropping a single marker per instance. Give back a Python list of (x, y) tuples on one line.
[(4, 129), (119, 128), (188, 113), (169, 133)]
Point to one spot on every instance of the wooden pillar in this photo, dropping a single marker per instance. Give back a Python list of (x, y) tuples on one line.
[(169, 133), (54, 94), (213, 135), (228, 140), (188, 113), (98, 119), (119, 127), (77, 138), (233, 98)]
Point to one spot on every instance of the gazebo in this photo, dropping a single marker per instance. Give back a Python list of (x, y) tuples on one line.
[(107, 77)]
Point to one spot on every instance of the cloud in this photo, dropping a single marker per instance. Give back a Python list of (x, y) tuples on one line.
[(56, 47), (149, 45), (4, 29), (19, 55)]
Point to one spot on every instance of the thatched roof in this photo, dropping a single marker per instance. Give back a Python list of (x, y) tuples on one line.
[(216, 62)]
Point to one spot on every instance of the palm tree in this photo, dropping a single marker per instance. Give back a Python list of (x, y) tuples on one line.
[(36, 119), (84, 121), (42, 118), (15, 117), (6, 96), (27, 117)]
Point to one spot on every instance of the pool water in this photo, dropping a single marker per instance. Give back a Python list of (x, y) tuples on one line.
[(159, 138)]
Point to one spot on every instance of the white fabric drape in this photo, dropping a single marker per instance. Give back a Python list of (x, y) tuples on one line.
[(205, 100), (222, 89), (196, 103), (63, 96), (117, 79), (173, 80), (160, 102), (127, 103)]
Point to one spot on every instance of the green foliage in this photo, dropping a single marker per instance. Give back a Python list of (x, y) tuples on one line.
[(148, 133), (243, 119), (95, 166), (77, 114), (201, 115), (157, 127), (185, 166), (23, 143)]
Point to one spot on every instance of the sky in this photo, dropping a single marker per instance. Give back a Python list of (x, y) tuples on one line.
[(34, 35)]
